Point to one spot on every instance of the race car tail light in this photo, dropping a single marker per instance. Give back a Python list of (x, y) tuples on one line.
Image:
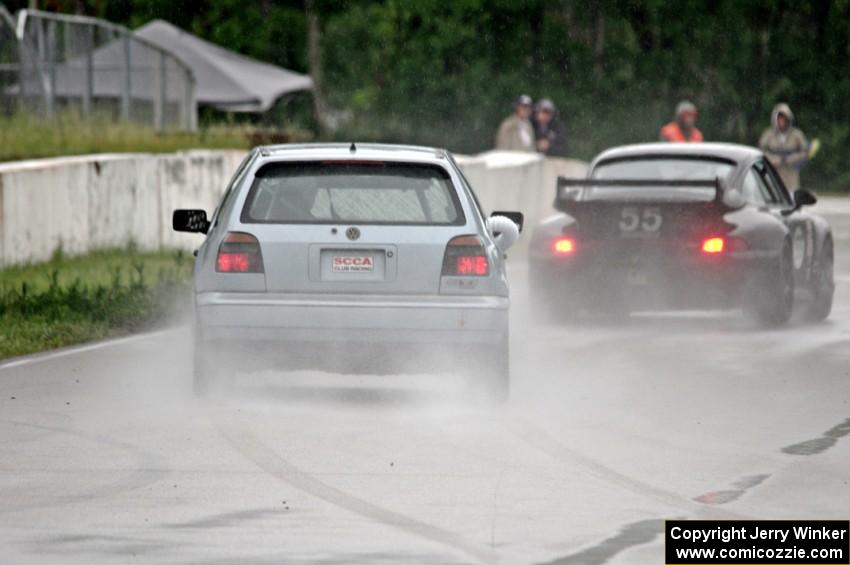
[(713, 245), (563, 246), (718, 245), (465, 257), (239, 252)]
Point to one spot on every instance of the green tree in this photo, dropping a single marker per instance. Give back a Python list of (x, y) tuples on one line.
[(445, 73)]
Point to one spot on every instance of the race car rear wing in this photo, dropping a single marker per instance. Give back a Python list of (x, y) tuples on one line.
[(568, 189)]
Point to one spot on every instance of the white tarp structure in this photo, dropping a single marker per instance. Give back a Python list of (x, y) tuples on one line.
[(224, 79), (157, 74)]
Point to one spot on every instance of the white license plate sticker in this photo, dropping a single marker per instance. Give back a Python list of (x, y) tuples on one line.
[(352, 264)]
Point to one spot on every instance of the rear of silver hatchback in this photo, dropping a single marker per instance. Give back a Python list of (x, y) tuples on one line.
[(350, 259)]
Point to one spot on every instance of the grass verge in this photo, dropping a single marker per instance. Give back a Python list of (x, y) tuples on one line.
[(70, 300), (24, 136)]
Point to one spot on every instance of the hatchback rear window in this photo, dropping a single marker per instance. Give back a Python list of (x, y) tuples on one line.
[(352, 192)]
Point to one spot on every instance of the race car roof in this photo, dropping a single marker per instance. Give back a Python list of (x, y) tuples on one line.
[(728, 151)]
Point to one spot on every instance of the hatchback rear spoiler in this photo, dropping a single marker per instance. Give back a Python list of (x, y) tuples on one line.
[(564, 196)]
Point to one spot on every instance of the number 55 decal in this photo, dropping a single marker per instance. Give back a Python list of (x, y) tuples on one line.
[(646, 220)]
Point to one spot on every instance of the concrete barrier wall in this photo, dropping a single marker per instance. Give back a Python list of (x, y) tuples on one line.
[(98, 201), (90, 202), (518, 181)]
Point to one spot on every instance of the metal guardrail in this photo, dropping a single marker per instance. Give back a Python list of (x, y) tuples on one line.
[(94, 67)]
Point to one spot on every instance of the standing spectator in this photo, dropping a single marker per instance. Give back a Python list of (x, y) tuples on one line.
[(548, 134), (785, 146), (516, 132), (683, 129)]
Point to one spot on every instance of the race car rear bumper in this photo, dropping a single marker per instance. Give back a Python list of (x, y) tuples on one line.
[(664, 281)]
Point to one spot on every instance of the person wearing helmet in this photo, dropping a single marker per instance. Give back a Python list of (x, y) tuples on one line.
[(683, 129), (516, 132), (785, 146), (548, 135)]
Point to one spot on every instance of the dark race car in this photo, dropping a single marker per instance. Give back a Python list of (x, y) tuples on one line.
[(684, 226)]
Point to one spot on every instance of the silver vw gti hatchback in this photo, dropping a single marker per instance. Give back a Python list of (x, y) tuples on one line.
[(351, 258)]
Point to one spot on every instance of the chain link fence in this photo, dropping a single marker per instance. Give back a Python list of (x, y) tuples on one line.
[(17, 67), (51, 63)]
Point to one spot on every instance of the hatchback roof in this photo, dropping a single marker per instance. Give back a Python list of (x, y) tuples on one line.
[(353, 150)]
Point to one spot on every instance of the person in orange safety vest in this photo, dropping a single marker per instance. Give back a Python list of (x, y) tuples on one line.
[(683, 129)]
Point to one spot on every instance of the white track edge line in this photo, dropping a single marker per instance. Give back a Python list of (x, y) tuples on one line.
[(75, 349)]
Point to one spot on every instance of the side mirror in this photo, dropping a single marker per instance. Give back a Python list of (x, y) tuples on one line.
[(569, 194), (733, 198), (192, 221), (803, 197), (516, 217), (505, 231)]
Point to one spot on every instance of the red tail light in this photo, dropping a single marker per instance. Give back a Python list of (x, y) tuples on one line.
[(720, 245), (233, 262), (239, 253), (474, 265), (713, 245), (563, 246), (465, 257)]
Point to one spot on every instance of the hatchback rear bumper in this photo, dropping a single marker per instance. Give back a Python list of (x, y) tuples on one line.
[(365, 318)]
